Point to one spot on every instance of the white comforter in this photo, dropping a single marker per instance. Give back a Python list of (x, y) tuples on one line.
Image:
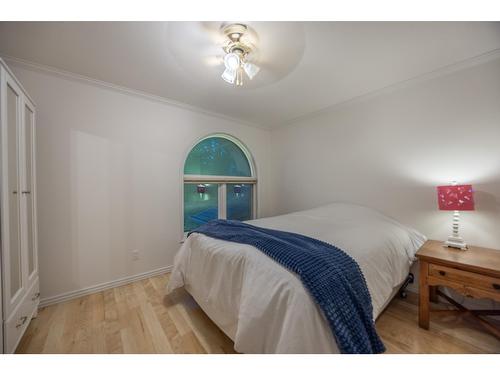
[(263, 307)]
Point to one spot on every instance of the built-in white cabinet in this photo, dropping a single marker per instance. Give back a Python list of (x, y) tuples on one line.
[(18, 226)]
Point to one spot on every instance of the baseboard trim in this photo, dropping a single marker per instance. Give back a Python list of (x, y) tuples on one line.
[(100, 287)]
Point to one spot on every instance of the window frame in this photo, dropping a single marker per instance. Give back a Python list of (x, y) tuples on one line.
[(221, 181)]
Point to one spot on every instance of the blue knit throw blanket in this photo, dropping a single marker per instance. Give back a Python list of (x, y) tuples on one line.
[(332, 277)]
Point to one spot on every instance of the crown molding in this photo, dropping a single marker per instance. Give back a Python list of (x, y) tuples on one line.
[(33, 66), (445, 70), (13, 76)]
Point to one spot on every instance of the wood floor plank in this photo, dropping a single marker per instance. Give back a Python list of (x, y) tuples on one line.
[(141, 318), (209, 335), (161, 311), (97, 332), (35, 337), (467, 336), (159, 339), (111, 324), (53, 342), (73, 311), (190, 344), (135, 336), (81, 326)]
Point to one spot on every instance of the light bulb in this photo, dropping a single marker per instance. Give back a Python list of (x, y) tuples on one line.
[(232, 61)]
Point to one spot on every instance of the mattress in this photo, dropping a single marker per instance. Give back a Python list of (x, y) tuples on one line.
[(263, 307)]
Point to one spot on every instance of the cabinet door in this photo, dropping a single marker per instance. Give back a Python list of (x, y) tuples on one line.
[(28, 191), (12, 262)]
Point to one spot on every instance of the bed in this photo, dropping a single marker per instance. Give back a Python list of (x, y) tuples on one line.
[(262, 306)]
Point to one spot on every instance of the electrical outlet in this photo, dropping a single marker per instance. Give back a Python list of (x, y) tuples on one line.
[(135, 255)]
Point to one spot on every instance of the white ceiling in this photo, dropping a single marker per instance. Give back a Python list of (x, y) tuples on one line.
[(325, 62)]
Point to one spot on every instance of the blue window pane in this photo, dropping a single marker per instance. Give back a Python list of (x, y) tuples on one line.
[(200, 204), (239, 201), (217, 156)]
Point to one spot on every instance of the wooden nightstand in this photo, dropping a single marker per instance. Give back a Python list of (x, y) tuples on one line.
[(474, 273)]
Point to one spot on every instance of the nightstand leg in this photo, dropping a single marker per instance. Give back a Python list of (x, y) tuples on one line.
[(423, 302)]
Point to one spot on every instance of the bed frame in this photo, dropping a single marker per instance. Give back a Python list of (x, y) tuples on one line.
[(409, 280)]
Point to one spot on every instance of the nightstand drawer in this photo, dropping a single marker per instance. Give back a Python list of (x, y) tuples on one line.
[(466, 278)]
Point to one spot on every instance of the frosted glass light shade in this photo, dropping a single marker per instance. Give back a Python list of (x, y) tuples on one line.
[(251, 70), (229, 76), (232, 61)]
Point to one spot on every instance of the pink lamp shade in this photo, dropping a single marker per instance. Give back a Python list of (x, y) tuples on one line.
[(455, 198)]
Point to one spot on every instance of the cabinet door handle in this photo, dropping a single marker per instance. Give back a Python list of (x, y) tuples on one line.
[(23, 320), (442, 273), (26, 192), (35, 297), (14, 192), (496, 286)]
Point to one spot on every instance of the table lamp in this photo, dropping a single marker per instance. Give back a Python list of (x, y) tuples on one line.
[(455, 198)]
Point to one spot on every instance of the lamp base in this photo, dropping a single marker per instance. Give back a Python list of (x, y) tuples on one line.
[(456, 242)]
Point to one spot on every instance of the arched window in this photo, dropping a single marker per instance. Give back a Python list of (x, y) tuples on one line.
[(219, 182)]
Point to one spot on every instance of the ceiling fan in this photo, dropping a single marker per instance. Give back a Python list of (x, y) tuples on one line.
[(248, 55), (237, 59)]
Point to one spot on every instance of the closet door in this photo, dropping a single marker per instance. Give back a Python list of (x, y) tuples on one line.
[(14, 286), (28, 191)]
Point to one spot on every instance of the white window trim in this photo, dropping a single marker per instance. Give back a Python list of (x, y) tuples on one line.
[(195, 178), (222, 181)]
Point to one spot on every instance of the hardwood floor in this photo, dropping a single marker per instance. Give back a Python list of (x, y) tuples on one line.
[(139, 318)]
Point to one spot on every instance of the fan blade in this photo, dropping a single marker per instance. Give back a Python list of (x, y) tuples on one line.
[(213, 31), (213, 60)]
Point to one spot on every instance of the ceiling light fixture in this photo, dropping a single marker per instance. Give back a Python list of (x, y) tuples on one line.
[(236, 60), (232, 61)]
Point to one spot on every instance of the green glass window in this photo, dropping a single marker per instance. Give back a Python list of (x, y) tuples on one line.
[(217, 156), (239, 201), (218, 182), (200, 204)]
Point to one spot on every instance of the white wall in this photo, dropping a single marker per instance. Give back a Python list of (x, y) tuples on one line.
[(391, 150), (109, 167), (109, 179)]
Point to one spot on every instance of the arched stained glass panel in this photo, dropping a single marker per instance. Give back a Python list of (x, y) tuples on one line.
[(217, 156), (219, 182)]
